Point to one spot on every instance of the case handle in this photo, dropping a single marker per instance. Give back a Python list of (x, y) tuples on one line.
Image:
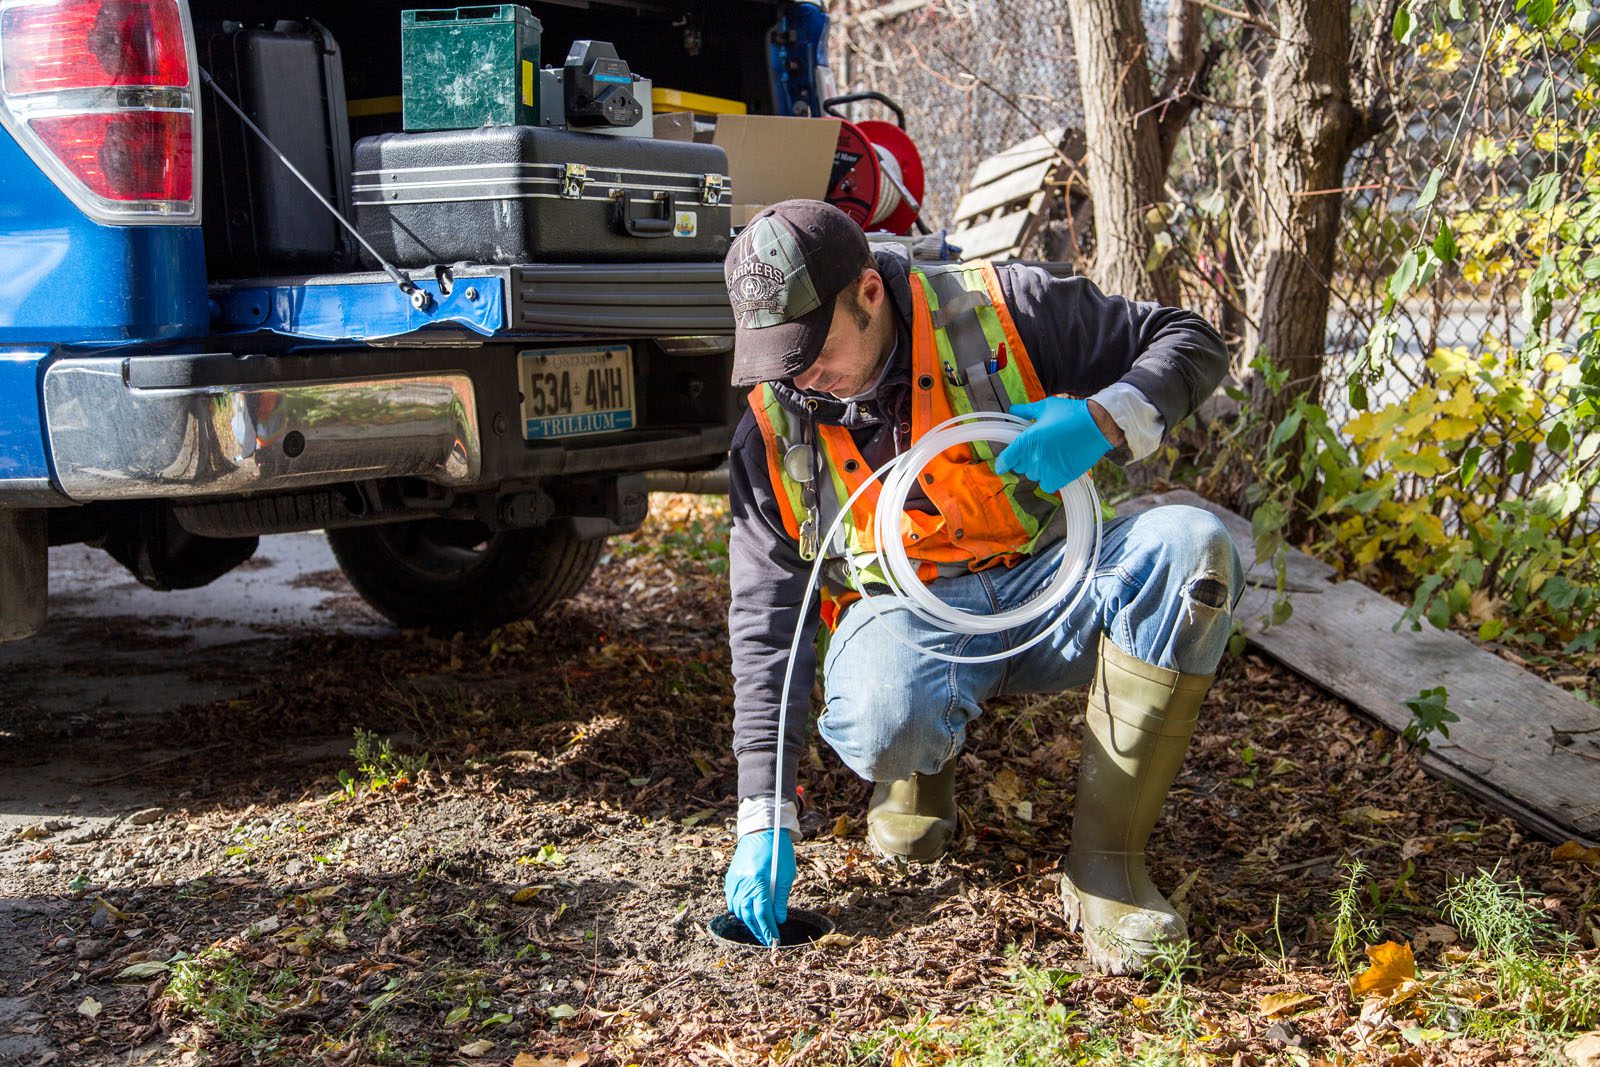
[(647, 223)]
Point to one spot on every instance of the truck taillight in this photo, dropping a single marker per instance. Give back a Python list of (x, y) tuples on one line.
[(101, 94), (89, 44)]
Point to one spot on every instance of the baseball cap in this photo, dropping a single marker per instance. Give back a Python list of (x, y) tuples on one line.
[(784, 274)]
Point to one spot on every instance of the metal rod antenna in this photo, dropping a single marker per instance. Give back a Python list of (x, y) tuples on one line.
[(421, 299)]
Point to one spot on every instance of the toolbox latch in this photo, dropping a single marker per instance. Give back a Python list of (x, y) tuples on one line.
[(573, 178), (711, 189)]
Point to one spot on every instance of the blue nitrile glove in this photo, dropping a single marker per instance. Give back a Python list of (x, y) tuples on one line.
[(747, 880), (1062, 443)]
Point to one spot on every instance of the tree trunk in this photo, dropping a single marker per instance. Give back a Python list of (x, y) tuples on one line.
[(1126, 164), (1307, 138)]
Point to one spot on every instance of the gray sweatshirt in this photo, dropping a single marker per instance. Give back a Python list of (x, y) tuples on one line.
[(1138, 356)]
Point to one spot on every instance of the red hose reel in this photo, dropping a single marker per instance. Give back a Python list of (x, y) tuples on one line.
[(878, 178)]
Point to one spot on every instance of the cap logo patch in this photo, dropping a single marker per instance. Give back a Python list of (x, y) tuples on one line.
[(756, 286)]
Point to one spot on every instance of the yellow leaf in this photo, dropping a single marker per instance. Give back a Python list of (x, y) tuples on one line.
[(527, 893), (112, 910), (1392, 965), (1452, 428), (1279, 1003), (1572, 852), (841, 826), (1367, 813)]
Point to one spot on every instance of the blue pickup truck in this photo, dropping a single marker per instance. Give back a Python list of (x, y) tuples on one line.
[(195, 351)]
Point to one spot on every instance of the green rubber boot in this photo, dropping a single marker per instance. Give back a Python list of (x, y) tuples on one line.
[(1136, 732), (914, 819)]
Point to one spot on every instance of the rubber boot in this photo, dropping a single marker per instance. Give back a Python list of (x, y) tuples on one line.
[(1137, 729), (914, 819)]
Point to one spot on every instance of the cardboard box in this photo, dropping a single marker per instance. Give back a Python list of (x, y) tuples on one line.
[(674, 126), (773, 158)]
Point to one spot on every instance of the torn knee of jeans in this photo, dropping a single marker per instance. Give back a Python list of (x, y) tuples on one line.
[(1209, 592)]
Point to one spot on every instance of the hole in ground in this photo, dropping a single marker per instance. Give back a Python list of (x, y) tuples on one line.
[(801, 928)]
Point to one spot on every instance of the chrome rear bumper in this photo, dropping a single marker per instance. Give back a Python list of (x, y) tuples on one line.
[(112, 440)]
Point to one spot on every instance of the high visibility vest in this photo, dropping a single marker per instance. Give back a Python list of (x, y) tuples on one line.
[(965, 356)]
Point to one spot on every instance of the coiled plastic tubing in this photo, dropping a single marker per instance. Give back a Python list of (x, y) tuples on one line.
[(1068, 585)]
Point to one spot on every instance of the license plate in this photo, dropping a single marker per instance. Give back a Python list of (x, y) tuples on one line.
[(570, 392)]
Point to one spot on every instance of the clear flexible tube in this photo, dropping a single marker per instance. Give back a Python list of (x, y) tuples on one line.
[(1079, 558)]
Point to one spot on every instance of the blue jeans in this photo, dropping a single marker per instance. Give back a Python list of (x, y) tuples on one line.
[(1164, 592)]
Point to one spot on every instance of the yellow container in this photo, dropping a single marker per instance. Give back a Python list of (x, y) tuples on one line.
[(664, 100)]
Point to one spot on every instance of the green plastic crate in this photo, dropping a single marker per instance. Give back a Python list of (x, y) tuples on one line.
[(465, 67)]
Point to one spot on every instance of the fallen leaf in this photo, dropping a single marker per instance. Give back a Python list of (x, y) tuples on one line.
[(1025, 810), (112, 910), (527, 893), (1572, 852), (1584, 1050), (561, 1011), (1392, 964), (480, 1047), (841, 826), (1281, 1003), (318, 895), (1007, 788), (138, 972), (1437, 934), (698, 817), (1417, 1035), (834, 940), (90, 1007), (1369, 814)]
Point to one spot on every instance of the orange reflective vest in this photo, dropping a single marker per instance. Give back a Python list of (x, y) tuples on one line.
[(965, 356)]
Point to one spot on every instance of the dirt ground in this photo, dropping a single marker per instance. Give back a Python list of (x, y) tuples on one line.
[(186, 880)]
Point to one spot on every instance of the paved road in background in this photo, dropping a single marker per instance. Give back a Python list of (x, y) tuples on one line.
[(114, 651)]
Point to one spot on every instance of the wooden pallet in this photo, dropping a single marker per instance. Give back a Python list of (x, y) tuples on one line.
[(1007, 199), (1523, 746)]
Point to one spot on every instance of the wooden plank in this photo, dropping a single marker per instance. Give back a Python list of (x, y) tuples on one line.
[(1341, 636), (1016, 157), (995, 237), (1343, 639), (1015, 186)]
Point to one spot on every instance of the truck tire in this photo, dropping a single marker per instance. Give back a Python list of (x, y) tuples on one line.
[(460, 575)]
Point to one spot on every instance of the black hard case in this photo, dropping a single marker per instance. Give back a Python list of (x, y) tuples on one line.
[(260, 218), (525, 194)]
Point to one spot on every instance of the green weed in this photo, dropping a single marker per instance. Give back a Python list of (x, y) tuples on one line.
[(1542, 983), (378, 766), (228, 995), (1430, 714), (1029, 1028), (1352, 930)]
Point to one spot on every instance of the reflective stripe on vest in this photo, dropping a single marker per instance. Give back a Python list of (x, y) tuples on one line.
[(982, 518)]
